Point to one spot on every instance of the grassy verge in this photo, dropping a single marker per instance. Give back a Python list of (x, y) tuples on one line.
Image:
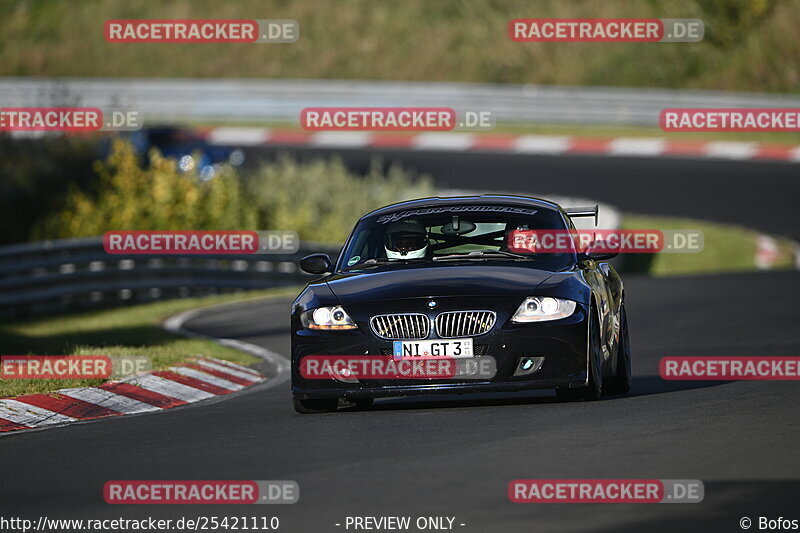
[(133, 330), (748, 45), (727, 248)]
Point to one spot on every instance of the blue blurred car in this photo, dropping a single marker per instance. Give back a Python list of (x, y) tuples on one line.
[(189, 148)]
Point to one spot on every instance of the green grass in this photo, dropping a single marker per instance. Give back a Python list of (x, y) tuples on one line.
[(748, 45), (133, 330), (727, 248)]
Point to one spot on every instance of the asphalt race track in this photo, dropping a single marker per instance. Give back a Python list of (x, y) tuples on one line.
[(455, 455)]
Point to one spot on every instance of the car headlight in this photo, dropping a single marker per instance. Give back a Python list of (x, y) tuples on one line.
[(328, 318), (541, 308)]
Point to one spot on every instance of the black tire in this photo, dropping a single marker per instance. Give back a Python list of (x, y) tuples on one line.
[(620, 382), (307, 407), (594, 388), (363, 403)]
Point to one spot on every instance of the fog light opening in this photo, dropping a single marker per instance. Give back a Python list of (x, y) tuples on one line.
[(344, 375), (527, 365)]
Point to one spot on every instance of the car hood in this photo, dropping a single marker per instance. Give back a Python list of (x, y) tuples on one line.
[(438, 281)]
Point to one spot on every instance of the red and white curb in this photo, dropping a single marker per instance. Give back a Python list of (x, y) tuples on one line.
[(199, 379), (767, 252), (521, 144), (203, 378)]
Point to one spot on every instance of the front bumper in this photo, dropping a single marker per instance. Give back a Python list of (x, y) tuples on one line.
[(562, 343)]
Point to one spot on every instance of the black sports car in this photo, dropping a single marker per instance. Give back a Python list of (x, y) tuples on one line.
[(443, 278)]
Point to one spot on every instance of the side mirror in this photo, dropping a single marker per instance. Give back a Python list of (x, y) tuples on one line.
[(316, 264), (600, 251)]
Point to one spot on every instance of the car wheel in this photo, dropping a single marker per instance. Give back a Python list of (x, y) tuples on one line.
[(306, 407), (620, 382), (594, 388)]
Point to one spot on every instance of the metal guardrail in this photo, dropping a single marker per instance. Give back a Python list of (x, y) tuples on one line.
[(243, 100), (73, 274)]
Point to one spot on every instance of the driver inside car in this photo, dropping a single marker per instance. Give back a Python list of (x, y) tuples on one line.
[(406, 240)]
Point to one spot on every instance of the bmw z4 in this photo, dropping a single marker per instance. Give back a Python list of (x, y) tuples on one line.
[(446, 279)]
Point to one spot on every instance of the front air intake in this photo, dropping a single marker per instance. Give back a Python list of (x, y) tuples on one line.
[(464, 323), (401, 326)]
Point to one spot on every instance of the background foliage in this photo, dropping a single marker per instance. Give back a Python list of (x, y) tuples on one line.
[(320, 199), (749, 45)]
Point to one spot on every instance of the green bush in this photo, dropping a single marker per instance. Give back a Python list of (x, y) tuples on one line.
[(320, 199), (129, 195), (35, 175)]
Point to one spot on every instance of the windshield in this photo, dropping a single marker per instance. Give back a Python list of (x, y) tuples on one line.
[(451, 233)]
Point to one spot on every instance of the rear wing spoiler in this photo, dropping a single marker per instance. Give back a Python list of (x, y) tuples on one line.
[(574, 212)]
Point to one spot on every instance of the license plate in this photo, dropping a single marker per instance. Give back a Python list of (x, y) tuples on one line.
[(434, 348)]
